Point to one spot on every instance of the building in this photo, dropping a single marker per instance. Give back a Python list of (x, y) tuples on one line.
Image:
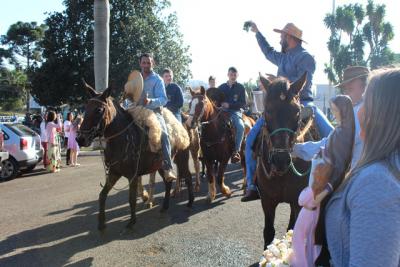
[(322, 93)]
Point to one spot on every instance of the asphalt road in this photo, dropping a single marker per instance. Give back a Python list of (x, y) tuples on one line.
[(51, 219)]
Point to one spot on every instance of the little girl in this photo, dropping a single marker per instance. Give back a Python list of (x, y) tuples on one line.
[(72, 144), (328, 170)]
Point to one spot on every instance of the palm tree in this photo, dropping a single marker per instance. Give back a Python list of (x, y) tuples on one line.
[(101, 43)]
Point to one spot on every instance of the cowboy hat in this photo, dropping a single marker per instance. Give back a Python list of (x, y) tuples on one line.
[(351, 73), (134, 86), (292, 30)]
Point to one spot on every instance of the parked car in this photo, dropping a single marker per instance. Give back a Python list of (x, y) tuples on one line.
[(24, 148), (3, 153)]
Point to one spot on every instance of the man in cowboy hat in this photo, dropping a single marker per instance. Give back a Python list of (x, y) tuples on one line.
[(292, 61)]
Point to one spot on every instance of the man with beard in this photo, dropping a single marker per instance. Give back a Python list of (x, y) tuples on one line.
[(292, 62)]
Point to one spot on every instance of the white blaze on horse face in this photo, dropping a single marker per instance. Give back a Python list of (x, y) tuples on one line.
[(193, 106)]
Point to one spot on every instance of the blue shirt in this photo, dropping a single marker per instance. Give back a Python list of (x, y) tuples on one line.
[(175, 97), (235, 96), (291, 64), (154, 89)]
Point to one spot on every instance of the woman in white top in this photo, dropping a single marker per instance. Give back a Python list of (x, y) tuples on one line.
[(67, 126), (43, 139)]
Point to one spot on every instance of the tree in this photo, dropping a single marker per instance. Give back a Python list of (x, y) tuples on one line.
[(101, 43), (135, 27), (351, 28), (12, 91), (22, 38)]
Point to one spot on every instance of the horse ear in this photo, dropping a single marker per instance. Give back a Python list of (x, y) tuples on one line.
[(92, 92), (297, 86), (202, 90), (107, 92), (265, 81), (191, 91)]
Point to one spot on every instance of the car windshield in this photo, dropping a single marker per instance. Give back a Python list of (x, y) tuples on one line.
[(21, 130)]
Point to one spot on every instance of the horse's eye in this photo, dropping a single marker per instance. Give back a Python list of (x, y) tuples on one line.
[(100, 110)]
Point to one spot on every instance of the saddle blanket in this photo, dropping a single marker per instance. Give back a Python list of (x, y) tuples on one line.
[(177, 134)]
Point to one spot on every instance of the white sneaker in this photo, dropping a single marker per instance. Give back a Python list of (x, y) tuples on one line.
[(169, 175)]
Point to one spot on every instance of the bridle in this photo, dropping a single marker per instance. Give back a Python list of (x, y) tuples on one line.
[(273, 150), (99, 129)]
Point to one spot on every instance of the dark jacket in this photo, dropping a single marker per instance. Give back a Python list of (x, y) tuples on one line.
[(175, 97), (235, 96)]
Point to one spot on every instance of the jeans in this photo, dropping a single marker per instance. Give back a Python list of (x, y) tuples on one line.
[(237, 121), (251, 163), (178, 116), (323, 125), (165, 145)]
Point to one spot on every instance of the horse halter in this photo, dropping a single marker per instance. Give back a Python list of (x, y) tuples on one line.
[(99, 129)]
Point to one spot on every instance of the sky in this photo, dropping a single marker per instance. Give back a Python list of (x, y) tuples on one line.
[(214, 30)]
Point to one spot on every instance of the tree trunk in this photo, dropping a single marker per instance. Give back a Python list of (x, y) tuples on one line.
[(101, 43)]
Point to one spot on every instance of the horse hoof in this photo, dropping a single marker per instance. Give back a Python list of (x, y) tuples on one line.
[(130, 225), (145, 197), (149, 205), (101, 227)]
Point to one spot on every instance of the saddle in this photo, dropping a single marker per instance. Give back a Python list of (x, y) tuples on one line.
[(147, 119)]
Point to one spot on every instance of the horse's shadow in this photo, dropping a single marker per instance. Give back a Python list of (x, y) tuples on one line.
[(55, 243)]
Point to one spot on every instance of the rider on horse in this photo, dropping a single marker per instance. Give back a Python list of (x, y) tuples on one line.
[(235, 100), (154, 98), (174, 94), (292, 63)]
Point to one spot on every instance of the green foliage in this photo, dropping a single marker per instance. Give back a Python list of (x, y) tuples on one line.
[(352, 27), (12, 89), (135, 27), (22, 40)]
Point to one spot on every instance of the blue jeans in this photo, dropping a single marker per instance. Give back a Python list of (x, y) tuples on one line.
[(178, 116), (165, 145), (323, 125), (237, 121)]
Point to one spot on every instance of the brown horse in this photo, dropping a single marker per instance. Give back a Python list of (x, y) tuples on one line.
[(216, 141), (280, 177), (126, 152)]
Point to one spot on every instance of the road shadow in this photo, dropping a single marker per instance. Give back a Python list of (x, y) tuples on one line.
[(79, 233)]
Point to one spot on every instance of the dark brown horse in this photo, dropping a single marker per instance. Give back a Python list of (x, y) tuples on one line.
[(280, 177), (126, 152), (216, 140)]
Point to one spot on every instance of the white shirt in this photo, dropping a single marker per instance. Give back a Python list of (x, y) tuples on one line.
[(67, 126), (358, 143), (43, 134)]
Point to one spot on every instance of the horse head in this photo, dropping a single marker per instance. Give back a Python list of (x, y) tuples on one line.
[(197, 107), (282, 117), (99, 112)]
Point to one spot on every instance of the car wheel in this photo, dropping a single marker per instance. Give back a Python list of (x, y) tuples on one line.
[(9, 169)]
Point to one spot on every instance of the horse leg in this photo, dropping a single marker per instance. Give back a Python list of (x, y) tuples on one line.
[(110, 182), (177, 188), (225, 190), (196, 162), (133, 187), (152, 181), (269, 207), (141, 191), (294, 213), (168, 186), (211, 181), (244, 185), (182, 163)]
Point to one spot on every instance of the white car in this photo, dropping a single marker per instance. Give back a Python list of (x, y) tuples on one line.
[(24, 148), (3, 154)]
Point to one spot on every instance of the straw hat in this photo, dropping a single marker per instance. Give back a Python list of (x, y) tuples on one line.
[(134, 86), (292, 30), (353, 72)]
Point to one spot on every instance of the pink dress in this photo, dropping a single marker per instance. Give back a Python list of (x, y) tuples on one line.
[(304, 248), (72, 144)]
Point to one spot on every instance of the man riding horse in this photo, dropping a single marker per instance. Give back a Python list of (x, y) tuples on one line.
[(154, 97), (292, 63), (235, 100)]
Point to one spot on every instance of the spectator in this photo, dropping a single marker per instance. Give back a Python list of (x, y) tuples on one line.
[(44, 140), (67, 127), (72, 144), (53, 123), (211, 82), (363, 215)]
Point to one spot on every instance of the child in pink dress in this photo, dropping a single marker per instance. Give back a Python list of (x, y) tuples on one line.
[(72, 144), (328, 170)]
